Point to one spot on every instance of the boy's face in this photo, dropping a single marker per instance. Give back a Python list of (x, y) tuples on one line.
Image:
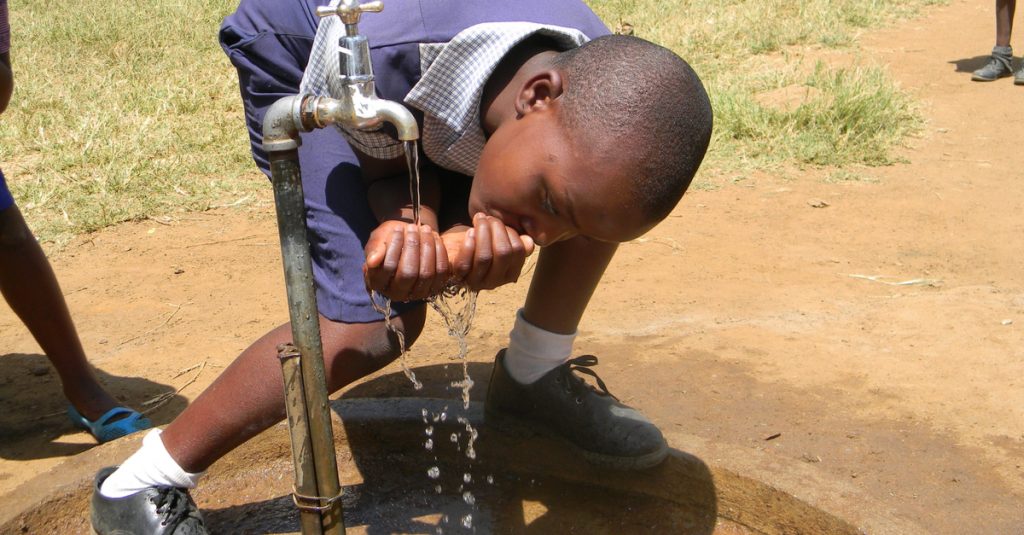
[(532, 177)]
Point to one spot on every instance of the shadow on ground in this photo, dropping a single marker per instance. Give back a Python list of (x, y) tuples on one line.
[(34, 417), (969, 64)]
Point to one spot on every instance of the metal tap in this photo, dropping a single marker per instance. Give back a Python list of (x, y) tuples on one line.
[(359, 107)]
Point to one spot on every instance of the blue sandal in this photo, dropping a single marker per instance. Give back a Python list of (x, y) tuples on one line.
[(105, 430)]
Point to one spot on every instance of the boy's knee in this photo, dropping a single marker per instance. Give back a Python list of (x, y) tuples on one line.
[(410, 323)]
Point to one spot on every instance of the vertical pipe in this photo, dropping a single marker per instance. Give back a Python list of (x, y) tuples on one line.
[(298, 427), (298, 268)]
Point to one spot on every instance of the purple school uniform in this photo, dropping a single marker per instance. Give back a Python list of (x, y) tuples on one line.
[(269, 42)]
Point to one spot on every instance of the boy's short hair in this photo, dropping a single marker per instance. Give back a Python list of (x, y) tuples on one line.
[(644, 101)]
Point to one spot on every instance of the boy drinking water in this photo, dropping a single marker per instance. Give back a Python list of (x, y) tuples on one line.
[(538, 129)]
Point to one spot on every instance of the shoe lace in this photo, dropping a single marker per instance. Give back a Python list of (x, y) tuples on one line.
[(173, 505), (576, 385)]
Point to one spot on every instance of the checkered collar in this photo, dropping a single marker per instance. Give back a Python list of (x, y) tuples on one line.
[(452, 83)]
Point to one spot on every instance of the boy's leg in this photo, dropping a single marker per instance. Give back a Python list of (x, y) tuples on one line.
[(605, 430), (1000, 62), (1004, 21), (249, 396), (244, 401), (28, 283)]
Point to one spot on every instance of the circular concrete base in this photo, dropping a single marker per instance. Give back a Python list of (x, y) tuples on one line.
[(516, 483)]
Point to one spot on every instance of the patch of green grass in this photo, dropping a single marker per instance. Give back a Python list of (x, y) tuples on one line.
[(717, 32), (853, 116), (856, 115), (121, 113)]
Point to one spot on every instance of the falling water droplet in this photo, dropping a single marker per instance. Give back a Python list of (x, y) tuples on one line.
[(434, 472), (429, 444), (490, 479), (467, 521), (468, 498), (467, 477)]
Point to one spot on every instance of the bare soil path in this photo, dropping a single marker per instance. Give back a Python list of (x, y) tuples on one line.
[(752, 312)]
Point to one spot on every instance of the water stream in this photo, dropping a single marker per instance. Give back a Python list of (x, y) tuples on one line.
[(457, 306)]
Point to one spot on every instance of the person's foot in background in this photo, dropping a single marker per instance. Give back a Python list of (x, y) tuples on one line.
[(998, 66)]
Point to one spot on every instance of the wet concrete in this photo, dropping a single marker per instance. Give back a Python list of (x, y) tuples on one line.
[(520, 483)]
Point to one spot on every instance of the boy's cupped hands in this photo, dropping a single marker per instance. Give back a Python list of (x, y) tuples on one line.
[(407, 263)]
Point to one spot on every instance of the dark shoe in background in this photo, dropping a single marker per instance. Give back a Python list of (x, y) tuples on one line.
[(563, 405), (154, 511), (998, 66)]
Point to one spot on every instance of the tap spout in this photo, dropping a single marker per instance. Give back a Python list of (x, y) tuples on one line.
[(398, 115), (360, 112)]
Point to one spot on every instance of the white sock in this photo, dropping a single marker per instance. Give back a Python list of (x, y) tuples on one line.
[(533, 352), (150, 466)]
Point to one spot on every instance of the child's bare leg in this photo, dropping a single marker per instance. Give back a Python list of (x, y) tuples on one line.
[(249, 396), (28, 283), (1004, 21)]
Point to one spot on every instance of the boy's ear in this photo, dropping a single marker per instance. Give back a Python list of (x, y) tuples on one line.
[(539, 92)]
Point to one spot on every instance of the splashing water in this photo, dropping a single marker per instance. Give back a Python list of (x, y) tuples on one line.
[(458, 323), (385, 310)]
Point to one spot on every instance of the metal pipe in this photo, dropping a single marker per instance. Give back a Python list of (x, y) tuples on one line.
[(357, 108), (298, 428), (282, 150)]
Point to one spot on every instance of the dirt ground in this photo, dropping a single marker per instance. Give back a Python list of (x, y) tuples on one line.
[(770, 307)]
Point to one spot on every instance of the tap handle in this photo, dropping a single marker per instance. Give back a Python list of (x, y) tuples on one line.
[(349, 10)]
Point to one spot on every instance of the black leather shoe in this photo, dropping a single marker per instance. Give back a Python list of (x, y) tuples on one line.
[(154, 511), (562, 404), (997, 67)]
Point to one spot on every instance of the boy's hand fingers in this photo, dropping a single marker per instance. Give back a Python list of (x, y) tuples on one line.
[(428, 265), (483, 257), (379, 277), (443, 271), (517, 257), (464, 262), (408, 267), (529, 246), (502, 253), (375, 250)]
